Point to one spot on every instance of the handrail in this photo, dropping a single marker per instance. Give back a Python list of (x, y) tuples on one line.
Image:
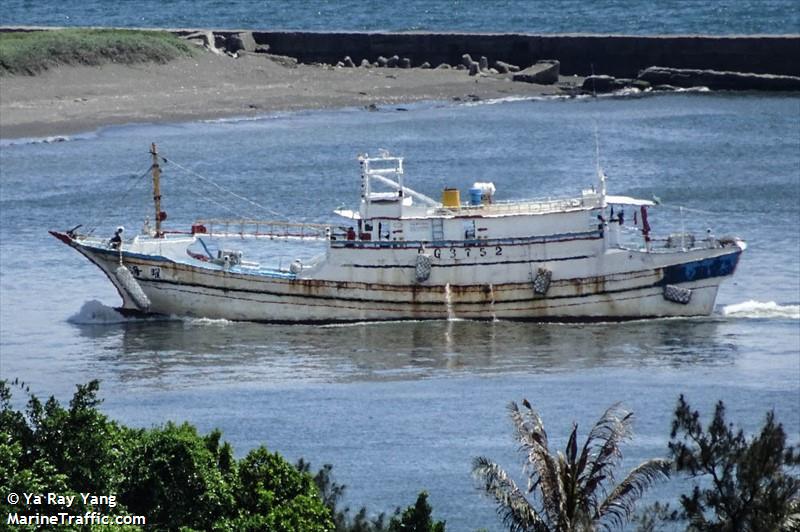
[(530, 206), (261, 229)]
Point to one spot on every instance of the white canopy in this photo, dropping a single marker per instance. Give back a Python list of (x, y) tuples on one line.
[(347, 213), (627, 200)]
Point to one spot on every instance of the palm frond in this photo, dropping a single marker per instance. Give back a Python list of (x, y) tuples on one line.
[(514, 509), (544, 472), (613, 427), (602, 449), (791, 523), (618, 507), (528, 422), (541, 466)]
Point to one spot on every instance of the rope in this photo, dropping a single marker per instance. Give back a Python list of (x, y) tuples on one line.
[(223, 189)]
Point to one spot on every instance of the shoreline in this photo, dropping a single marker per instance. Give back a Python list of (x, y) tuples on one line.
[(237, 75), (71, 100)]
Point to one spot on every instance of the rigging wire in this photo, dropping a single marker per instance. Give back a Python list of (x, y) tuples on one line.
[(223, 189), (597, 156), (105, 214), (201, 197), (137, 180), (699, 211)]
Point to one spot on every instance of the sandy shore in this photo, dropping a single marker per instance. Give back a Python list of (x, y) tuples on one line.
[(69, 100)]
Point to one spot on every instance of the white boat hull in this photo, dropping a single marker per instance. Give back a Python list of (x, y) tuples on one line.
[(614, 285)]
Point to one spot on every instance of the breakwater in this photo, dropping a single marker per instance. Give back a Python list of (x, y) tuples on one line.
[(579, 54), (615, 55)]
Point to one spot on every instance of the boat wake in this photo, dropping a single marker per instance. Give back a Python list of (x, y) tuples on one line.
[(207, 322), (760, 309), (95, 313), (372, 323)]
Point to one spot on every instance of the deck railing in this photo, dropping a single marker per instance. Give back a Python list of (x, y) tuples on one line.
[(261, 229), (542, 206)]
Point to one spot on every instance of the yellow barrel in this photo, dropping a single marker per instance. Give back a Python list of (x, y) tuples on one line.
[(451, 198)]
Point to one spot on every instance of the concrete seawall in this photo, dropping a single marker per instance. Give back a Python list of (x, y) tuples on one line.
[(616, 55)]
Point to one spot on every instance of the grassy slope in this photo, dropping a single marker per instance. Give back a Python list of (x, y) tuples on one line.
[(30, 53)]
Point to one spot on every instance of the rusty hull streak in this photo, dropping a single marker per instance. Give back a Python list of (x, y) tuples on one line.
[(461, 295)]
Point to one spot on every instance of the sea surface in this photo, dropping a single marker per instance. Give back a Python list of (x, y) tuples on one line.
[(402, 407), (638, 17)]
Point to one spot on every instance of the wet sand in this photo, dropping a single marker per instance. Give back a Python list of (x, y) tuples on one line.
[(70, 100)]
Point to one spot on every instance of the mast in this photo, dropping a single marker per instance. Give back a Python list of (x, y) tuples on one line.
[(157, 190)]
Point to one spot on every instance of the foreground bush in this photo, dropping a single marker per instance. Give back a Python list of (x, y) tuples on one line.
[(746, 484), (172, 475), (30, 53), (175, 477)]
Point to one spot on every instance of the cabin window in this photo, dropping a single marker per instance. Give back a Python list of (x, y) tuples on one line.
[(384, 232), (366, 234), (469, 229)]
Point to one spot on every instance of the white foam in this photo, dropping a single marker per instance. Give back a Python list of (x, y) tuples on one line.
[(692, 89), (236, 119), (511, 99), (201, 322), (95, 313), (55, 139), (34, 140), (627, 92), (760, 309)]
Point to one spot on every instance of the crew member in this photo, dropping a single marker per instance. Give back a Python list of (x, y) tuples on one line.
[(116, 240)]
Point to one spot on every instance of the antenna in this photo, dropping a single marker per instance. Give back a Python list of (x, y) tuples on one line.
[(601, 176), (596, 147)]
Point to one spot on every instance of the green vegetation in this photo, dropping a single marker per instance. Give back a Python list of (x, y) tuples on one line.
[(571, 491), (175, 477), (181, 480), (30, 53), (740, 485), (750, 483)]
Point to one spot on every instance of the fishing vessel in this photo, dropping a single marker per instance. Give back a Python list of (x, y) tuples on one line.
[(403, 255)]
